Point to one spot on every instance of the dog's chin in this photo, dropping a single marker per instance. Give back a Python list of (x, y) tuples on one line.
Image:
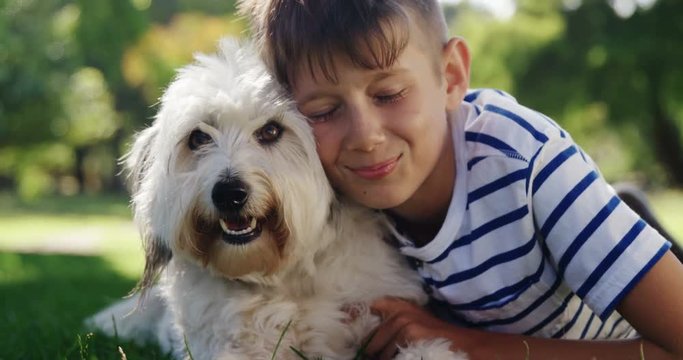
[(237, 247)]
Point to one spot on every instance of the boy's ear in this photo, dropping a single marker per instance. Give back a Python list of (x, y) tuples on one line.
[(456, 67)]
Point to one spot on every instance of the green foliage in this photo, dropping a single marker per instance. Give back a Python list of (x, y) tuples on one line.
[(79, 76), (151, 63), (614, 82), (118, 24), (36, 51), (89, 114)]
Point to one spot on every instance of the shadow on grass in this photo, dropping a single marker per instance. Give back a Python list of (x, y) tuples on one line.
[(44, 300)]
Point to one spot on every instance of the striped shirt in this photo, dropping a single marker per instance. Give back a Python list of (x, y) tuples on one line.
[(535, 242)]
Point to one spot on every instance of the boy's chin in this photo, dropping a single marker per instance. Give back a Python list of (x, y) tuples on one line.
[(379, 199)]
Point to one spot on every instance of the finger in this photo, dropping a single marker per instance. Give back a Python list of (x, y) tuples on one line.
[(389, 352), (384, 335), (387, 306)]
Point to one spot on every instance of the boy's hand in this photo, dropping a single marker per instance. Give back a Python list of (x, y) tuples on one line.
[(403, 323)]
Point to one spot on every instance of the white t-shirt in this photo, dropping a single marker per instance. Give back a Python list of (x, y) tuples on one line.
[(535, 241)]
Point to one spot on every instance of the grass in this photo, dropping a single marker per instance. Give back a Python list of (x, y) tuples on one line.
[(45, 294), (61, 260)]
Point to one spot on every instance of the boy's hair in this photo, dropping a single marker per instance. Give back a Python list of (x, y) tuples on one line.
[(372, 33)]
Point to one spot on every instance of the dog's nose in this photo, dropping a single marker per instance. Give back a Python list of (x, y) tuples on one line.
[(230, 195)]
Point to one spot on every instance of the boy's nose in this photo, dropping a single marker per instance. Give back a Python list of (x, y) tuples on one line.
[(365, 130)]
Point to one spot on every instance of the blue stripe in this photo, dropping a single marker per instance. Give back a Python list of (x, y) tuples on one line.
[(566, 202), (496, 185), (477, 109), (503, 296), (522, 314), (539, 136), (565, 329), (501, 258), (597, 333), (551, 317), (614, 326), (474, 161), (583, 156), (483, 230), (494, 143), (588, 326), (499, 92), (553, 165), (553, 123), (529, 172), (472, 96), (608, 310), (611, 257), (585, 234)]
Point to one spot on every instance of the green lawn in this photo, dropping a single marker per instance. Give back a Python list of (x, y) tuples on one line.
[(63, 259)]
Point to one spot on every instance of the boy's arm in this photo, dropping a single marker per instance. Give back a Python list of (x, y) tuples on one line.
[(653, 307), (601, 249)]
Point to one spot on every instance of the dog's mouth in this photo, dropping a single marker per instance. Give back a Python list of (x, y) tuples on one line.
[(240, 230)]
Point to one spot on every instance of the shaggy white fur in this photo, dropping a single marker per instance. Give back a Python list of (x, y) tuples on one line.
[(239, 221)]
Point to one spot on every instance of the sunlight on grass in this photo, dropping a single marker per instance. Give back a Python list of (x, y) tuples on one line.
[(61, 260), (93, 226)]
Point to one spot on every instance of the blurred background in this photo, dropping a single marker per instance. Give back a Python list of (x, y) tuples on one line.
[(79, 77)]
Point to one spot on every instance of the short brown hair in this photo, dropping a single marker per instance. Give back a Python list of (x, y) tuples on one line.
[(372, 33)]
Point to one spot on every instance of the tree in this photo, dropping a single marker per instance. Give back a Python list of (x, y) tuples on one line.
[(629, 65), (614, 82)]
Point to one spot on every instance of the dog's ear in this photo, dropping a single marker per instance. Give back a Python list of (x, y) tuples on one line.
[(138, 159), (157, 256), (136, 166)]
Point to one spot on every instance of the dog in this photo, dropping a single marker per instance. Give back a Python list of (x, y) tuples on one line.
[(254, 252)]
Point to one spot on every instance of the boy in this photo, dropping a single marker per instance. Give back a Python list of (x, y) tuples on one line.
[(505, 218)]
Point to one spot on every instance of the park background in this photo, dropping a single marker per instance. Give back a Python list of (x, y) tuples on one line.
[(79, 77)]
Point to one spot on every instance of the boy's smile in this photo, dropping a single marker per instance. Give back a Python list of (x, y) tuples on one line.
[(382, 134), (377, 171)]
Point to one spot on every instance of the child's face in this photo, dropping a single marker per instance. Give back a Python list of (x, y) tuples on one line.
[(380, 132)]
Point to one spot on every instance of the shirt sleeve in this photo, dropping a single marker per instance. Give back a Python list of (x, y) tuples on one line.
[(599, 246)]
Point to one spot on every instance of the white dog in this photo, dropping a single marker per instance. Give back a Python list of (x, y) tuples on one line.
[(239, 220)]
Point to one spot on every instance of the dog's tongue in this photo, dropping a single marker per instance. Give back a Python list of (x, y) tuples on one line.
[(237, 224), (240, 224)]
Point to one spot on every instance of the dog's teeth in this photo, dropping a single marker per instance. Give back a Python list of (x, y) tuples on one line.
[(224, 226), (247, 230)]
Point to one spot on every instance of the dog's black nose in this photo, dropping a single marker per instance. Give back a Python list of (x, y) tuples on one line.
[(229, 195)]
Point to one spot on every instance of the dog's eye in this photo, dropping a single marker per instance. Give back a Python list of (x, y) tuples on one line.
[(269, 133), (198, 139)]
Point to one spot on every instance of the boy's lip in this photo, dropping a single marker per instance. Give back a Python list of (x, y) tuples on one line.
[(378, 170)]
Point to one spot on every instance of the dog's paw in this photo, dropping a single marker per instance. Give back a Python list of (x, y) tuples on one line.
[(436, 349)]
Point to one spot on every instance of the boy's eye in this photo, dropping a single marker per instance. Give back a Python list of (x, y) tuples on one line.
[(269, 133), (322, 116), (391, 97), (198, 139)]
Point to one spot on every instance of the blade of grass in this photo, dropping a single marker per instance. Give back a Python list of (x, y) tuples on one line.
[(187, 348), (299, 353), (360, 354), (279, 341)]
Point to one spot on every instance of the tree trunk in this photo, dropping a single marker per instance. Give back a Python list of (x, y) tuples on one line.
[(80, 152)]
